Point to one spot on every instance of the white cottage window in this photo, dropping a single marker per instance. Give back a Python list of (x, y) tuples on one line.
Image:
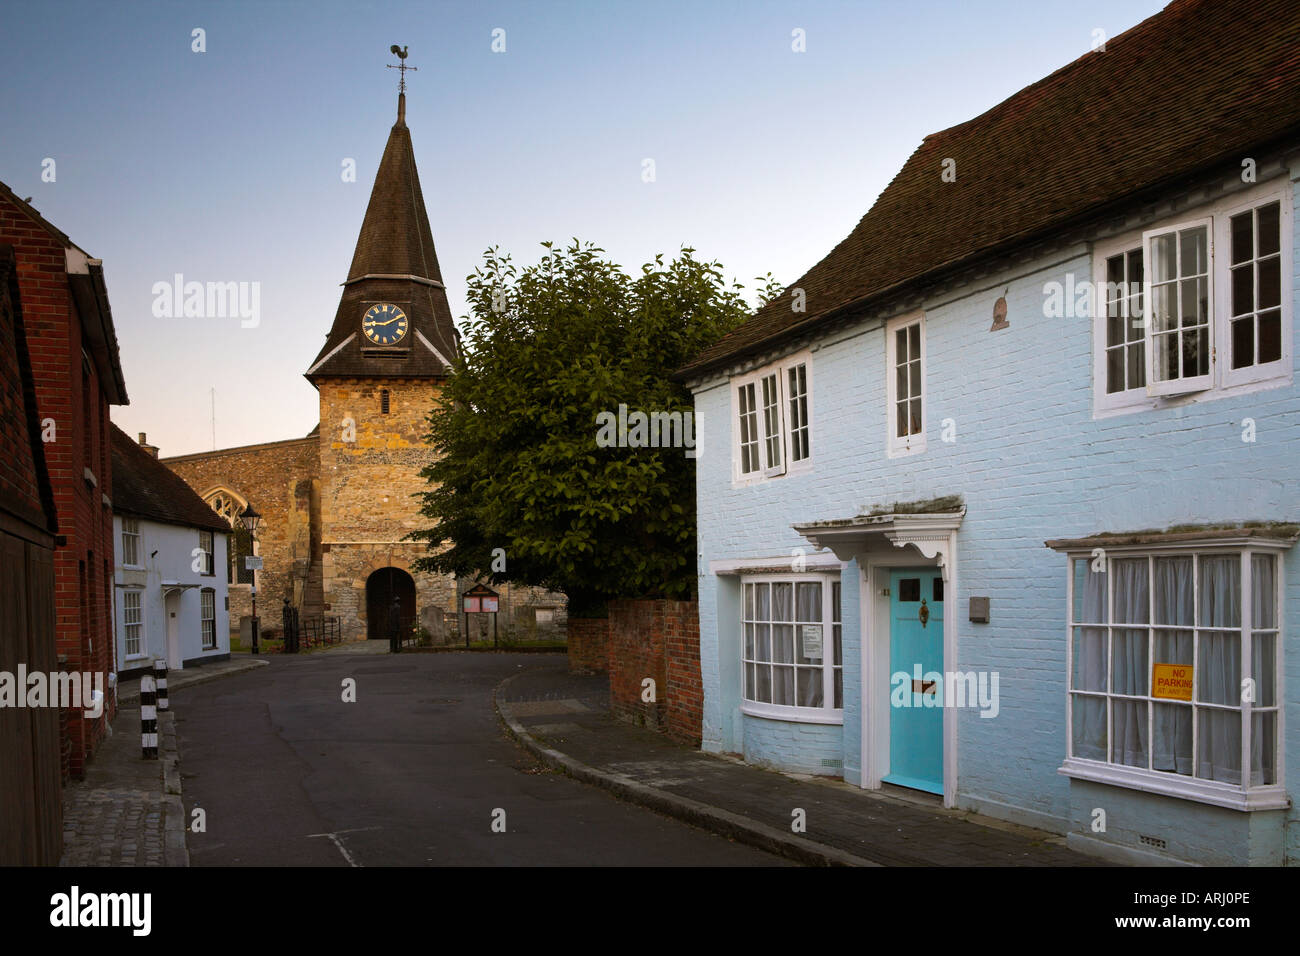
[(800, 447), (905, 384), (130, 542), (1195, 309), (133, 620), (791, 655), (208, 618), (206, 559), (1174, 667), (772, 412)]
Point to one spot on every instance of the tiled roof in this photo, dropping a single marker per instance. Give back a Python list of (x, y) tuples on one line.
[(1186, 91), (144, 487), (395, 242), (91, 296)]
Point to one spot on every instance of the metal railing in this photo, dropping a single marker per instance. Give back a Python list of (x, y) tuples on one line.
[(309, 632)]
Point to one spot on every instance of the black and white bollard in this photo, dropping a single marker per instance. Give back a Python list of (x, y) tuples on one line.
[(160, 680), (148, 717)]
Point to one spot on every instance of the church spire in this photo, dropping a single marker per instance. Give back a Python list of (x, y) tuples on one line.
[(394, 266)]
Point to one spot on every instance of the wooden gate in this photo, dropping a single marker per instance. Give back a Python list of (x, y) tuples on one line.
[(31, 812)]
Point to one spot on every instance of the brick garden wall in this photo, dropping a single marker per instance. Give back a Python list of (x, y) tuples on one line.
[(659, 640), (685, 697), (588, 640)]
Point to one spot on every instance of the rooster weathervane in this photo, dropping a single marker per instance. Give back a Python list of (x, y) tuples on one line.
[(400, 52)]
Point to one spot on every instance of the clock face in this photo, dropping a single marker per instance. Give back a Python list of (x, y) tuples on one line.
[(384, 324)]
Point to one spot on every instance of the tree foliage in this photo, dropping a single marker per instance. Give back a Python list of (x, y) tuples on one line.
[(519, 479)]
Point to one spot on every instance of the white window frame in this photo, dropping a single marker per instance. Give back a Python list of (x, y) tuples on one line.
[(1223, 381), (1279, 369), (209, 553), (895, 445), (772, 419), (1236, 796), (799, 420), (828, 713), (132, 540), (205, 621), (141, 649), (772, 466), (1187, 383)]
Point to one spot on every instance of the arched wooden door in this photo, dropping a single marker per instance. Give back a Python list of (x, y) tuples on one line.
[(390, 602)]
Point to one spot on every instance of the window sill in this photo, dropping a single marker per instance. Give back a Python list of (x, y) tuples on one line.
[(754, 478), (1136, 400), (1175, 785), (904, 449), (799, 715)]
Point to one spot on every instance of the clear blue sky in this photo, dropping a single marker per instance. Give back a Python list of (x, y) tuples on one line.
[(225, 165)]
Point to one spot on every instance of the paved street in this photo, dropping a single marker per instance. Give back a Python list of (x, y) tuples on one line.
[(410, 774)]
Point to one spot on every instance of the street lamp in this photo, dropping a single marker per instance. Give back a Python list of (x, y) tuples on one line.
[(250, 519)]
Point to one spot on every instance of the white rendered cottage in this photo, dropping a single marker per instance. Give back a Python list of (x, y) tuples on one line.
[(169, 576)]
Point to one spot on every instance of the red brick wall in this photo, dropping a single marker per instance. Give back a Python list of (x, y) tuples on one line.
[(84, 620), (685, 697), (659, 640), (588, 640), (19, 484)]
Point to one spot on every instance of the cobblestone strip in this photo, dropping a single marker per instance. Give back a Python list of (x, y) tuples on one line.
[(128, 811)]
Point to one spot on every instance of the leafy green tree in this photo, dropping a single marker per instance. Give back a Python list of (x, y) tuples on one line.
[(521, 490)]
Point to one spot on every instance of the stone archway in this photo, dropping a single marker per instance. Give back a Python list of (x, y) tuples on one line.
[(383, 587)]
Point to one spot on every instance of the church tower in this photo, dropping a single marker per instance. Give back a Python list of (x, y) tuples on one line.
[(386, 356)]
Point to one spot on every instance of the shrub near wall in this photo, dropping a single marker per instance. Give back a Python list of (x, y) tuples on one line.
[(658, 640)]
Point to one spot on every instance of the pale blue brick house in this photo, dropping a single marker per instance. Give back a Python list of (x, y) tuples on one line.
[(1026, 445)]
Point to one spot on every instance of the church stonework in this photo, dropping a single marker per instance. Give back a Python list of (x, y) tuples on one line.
[(370, 471), (338, 504), (282, 482)]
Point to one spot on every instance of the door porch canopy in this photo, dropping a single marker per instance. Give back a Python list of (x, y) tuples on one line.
[(929, 526)]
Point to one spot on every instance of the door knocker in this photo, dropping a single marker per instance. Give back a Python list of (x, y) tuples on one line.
[(924, 613)]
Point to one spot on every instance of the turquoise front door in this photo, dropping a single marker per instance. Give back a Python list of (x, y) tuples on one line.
[(916, 680)]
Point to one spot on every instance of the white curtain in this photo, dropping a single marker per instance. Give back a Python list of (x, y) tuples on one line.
[(1172, 593), (783, 643), (808, 613), (762, 642), (1219, 669), (1088, 719), (1129, 662)]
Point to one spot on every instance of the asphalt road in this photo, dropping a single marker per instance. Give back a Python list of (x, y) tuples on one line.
[(411, 774)]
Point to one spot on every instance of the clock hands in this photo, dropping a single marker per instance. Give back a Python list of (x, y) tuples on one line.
[(373, 324)]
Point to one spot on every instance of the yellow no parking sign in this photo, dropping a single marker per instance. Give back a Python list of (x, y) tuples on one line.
[(1171, 681)]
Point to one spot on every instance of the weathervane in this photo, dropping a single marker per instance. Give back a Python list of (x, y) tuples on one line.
[(401, 55)]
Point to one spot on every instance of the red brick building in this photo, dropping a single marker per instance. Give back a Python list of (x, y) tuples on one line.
[(77, 375)]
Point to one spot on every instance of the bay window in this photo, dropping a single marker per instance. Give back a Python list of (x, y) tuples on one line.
[(792, 656), (1174, 661)]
